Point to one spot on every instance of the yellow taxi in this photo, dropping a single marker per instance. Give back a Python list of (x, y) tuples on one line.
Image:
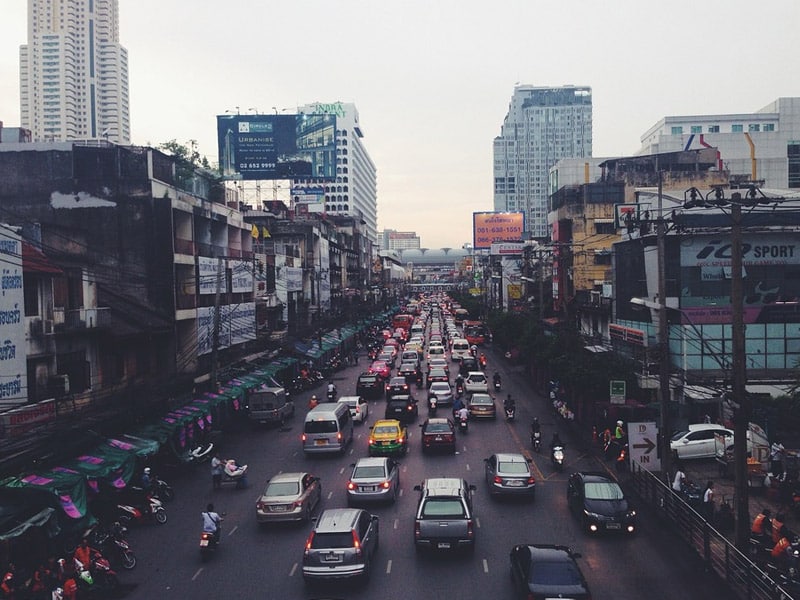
[(388, 436)]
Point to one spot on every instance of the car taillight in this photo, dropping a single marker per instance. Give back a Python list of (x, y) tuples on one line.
[(358, 410), (400, 440), (498, 479), (339, 436), (386, 484), (449, 437), (531, 480), (303, 437), (308, 542), (417, 531), (356, 544), (470, 530), (351, 485)]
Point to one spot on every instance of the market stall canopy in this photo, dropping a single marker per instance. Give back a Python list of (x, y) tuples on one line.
[(21, 509), (141, 447), (67, 486), (105, 463)]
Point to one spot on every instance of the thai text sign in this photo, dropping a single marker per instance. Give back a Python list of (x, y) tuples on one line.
[(491, 227)]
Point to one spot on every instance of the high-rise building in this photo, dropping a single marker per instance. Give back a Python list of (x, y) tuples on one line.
[(74, 72), (355, 191), (543, 125), (398, 240), (762, 145)]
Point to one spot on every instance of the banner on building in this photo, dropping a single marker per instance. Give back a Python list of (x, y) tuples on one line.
[(13, 359)]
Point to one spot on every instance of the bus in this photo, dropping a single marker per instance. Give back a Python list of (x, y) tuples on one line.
[(402, 320), (460, 315), (475, 332)]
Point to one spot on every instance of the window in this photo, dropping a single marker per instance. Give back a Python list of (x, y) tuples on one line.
[(769, 126), (754, 127), (697, 129), (677, 130), (737, 128)]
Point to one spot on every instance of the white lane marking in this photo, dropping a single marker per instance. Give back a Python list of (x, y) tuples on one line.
[(235, 527), (293, 571), (197, 573), (396, 523), (401, 492), (477, 523), (341, 470), (351, 451), (467, 465), (485, 566), (389, 566), (330, 495)]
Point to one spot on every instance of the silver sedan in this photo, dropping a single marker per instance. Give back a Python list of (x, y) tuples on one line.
[(289, 497), (509, 474)]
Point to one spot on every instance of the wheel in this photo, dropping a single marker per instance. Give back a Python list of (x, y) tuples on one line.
[(160, 516), (128, 560)]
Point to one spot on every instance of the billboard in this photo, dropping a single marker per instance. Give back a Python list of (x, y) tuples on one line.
[(277, 146), (488, 227), (13, 357)]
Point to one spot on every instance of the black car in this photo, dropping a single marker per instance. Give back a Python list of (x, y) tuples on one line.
[(412, 374), (438, 434), (402, 408), (397, 386), (599, 502), (369, 385), (547, 571), (438, 375), (467, 364)]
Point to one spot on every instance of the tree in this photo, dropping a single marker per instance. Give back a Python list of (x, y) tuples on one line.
[(187, 158)]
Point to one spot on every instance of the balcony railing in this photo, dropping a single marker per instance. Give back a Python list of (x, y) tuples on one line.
[(81, 318)]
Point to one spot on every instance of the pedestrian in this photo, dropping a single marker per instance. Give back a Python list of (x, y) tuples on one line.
[(776, 452), (680, 478), (216, 471), (708, 502)]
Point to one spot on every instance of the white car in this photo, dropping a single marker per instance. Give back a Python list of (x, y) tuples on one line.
[(476, 382), (698, 440), (359, 407)]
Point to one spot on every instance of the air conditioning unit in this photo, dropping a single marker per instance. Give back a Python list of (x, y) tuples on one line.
[(59, 385), (36, 327)]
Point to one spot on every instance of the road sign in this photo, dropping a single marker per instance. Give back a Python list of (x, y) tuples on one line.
[(617, 391), (643, 445)]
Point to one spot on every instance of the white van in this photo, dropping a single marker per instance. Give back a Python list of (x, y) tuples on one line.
[(417, 329), (459, 350), (327, 428), (436, 352)]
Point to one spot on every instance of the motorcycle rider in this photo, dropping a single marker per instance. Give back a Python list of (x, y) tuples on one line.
[(782, 547), (762, 525), (509, 405), (496, 378), (211, 522), (556, 441), (462, 414), (84, 554), (313, 402), (146, 482), (331, 391)]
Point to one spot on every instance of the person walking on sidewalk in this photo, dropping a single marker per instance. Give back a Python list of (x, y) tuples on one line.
[(708, 502), (216, 471)]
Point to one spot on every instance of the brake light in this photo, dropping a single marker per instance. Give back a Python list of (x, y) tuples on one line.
[(308, 542), (400, 440), (339, 436), (531, 480), (498, 479), (303, 438), (356, 544), (351, 485), (470, 530), (417, 531), (386, 484)]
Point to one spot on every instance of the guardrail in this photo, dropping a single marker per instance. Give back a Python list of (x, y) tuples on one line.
[(742, 575)]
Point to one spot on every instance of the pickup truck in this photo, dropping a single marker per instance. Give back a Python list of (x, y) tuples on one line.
[(444, 520)]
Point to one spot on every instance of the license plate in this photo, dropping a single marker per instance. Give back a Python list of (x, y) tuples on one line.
[(332, 557), (320, 442), (438, 438), (278, 509), (203, 543), (386, 443), (443, 545), (613, 526), (367, 488), (514, 483)]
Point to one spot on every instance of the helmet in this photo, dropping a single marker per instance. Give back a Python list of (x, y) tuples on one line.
[(314, 397), (147, 470), (535, 419), (619, 423)]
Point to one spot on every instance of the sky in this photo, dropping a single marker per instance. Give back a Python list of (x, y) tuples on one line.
[(432, 79)]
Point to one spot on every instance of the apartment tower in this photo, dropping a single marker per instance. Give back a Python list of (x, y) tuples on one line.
[(74, 72)]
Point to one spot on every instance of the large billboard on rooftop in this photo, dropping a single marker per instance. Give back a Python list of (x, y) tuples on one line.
[(492, 227)]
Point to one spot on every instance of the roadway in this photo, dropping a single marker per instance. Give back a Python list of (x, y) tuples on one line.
[(265, 563)]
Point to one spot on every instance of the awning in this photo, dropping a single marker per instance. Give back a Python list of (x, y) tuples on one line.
[(111, 465), (22, 509), (139, 446), (67, 486), (34, 261)]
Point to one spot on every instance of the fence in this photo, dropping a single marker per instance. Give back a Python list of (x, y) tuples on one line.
[(742, 575)]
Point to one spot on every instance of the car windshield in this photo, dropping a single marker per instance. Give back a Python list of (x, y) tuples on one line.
[(514, 468), (321, 427), (368, 472), (679, 435), (332, 540), (450, 508), (437, 428), (440, 386), (476, 399), (283, 488), (606, 490), (554, 573), (385, 430)]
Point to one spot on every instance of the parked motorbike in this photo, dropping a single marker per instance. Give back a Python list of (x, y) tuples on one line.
[(96, 575), (692, 495), (202, 452), (557, 457), (150, 508), (209, 542), (463, 425), (112, 543), (536, 440)]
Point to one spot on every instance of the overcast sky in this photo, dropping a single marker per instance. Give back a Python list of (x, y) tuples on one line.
[(432, 79)]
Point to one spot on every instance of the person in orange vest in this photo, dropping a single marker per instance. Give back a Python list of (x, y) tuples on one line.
[(8, 586), (313, 402), (761, 524), (777, 526), (779, 551)]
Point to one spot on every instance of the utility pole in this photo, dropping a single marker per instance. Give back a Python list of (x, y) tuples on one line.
[(663, 338), (744, 409), (215, 332)]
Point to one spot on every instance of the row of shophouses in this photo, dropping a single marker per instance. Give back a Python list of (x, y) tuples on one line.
[(127, 278)]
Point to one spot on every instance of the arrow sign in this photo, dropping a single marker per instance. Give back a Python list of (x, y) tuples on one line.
[(648, 445)]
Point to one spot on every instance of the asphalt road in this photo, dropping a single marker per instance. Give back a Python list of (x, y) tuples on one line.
[(265, 563)]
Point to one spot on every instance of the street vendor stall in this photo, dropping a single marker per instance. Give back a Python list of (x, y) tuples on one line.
[(757, 455)]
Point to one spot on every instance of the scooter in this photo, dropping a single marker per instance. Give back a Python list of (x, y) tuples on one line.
[(152, 508), (536, 440), (557, 458), (98, 574), (163, 490), (463, 425), (496, 385), (331, 395), (209, 543), (432, 405), (110, 542), (510, 413)]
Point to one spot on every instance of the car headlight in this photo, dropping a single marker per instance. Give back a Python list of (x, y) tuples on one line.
[(631, 514)]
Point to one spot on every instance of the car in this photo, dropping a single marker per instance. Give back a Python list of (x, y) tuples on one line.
[(342, 545), (388, 436), (369, 385), (481, 406), (540, 571), (381, 368), (397, 386), (387, 357), (444, 519), (467, 365), (289, 497), (359, 407), (476, 382), (697, 441), (509, 474), (373, 479), (438, 434), (599, 502), (443, 393), (403, 408), (439, 363), (437, 375), (411, 372)]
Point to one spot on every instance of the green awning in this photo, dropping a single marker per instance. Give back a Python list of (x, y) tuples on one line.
[(139, 446), (111, 465), (66, 485)]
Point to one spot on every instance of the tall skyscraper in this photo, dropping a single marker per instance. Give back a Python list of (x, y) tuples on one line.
[(74, 72), (543, 125), (355, 191)]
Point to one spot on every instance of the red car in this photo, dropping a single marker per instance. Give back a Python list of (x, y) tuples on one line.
[(438, 434), (381, 368)]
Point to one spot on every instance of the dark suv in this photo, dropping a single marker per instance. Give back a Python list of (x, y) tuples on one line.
[(342, 545), (412, 374), (369, 385), (444, 518)]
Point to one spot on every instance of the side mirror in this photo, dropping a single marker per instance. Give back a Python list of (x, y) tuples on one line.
[(417, 488), (486, 460), (472, 487), (352, 465)]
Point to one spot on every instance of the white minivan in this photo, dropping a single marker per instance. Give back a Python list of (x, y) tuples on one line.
[(459, 350), (328, 428)]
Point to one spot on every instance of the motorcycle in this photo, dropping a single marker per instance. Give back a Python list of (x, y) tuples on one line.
[(162, 490), (96, 575), (209, 543), (510, 413), (432, 405), (536, 440), (463, 425), (482, 362), (110, 542), (459, 390), (332, 395), (496, 385), (151, 508), (557, 457)]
